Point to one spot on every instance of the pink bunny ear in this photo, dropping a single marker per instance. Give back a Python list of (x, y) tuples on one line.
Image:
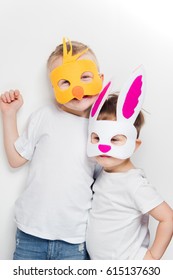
[(100, 100), (132, 98)]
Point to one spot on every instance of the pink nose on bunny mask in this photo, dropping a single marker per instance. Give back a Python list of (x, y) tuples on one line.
[(104, 148), (129, 104)]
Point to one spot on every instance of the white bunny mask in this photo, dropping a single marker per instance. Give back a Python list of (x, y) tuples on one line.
[(129, 104)]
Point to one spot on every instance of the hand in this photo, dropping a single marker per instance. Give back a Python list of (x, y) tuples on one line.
[(10, 101), (148, 256)]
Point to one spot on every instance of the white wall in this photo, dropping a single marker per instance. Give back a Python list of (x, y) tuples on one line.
[(123, 34)]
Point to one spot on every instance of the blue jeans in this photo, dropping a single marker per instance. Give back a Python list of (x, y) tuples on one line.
[(29, 247)]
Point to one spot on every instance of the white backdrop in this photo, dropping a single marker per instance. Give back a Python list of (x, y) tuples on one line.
[(123, 34)]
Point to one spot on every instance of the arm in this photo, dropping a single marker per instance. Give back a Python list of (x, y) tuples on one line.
[(164, 214), (10, 102)]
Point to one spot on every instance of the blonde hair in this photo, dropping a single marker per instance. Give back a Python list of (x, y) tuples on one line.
[(108, 112), (77, 47)]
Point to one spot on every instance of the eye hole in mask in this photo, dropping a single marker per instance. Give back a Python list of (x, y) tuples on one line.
[(117, 140), (87, 77), (63, 84), (94, 138)]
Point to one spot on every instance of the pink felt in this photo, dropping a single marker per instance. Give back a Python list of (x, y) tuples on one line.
[(104, 148), (132, 98), (99, 99)]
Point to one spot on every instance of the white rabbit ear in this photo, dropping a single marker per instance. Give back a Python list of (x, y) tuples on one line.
[(95, 110), (131, 97)]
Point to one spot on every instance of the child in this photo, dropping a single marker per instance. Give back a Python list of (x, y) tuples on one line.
[(123, 199), (52, 212)]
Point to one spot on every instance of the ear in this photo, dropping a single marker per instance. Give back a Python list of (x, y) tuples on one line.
[(131, 97), (100, 101), (137, 144), (101, 77)]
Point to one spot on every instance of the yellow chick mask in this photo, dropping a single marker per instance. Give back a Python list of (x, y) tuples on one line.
[(71, 71)]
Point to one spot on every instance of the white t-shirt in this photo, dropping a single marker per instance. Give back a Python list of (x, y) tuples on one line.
[(58, 196), (118, 219)]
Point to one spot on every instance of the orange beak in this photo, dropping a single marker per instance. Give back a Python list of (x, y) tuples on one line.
[(78, 92)]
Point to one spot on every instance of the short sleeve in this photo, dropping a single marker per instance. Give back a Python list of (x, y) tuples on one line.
[(25, 144), (146, 197)]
